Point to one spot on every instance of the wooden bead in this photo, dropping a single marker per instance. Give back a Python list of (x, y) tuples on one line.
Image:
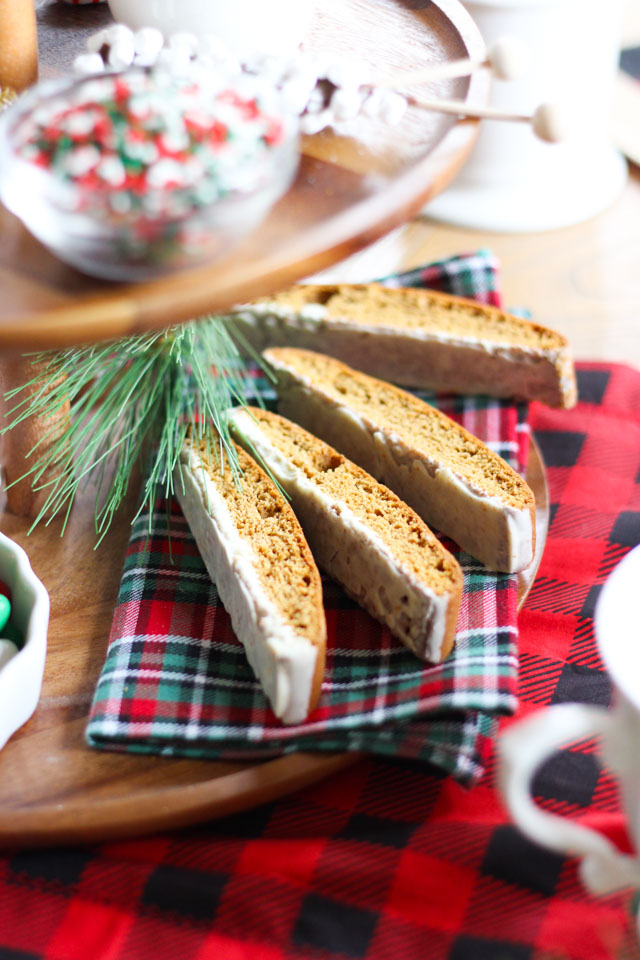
[(550, 123), (508, 58)]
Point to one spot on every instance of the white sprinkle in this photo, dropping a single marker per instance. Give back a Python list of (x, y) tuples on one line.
[(346, 103), (120, 202), (139, 105), (193, 170), (122, 51), (316, 102), (111, 169), (116, 33), (175, 139), (155, 204), (296, 94), (81, 161), (311, 123), (394, 108), (79, 124), (97, 90), (88, 63), (163, 172), (270, 69), (97, 40), (148, 43), (373, 103), (176, 60), (141, 151)]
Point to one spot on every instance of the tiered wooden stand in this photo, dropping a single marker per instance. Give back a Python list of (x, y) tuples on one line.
[(351, 189)]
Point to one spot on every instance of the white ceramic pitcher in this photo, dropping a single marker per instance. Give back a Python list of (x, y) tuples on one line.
[(512, 181), (524, 747)]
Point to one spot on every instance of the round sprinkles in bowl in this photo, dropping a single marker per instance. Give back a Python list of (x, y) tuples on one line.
[(150, 155)]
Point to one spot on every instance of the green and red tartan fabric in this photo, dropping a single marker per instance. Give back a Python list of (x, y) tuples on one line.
[(176, 680)]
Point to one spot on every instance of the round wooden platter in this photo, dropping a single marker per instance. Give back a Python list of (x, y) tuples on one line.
[(352, 187), (55, 790)]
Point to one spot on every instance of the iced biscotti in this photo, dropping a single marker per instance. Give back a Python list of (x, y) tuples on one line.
[(417, 338), (453, 480), (256, 553), (362, 534)]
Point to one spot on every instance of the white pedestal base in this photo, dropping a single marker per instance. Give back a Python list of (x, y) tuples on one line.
[(587, 189), (514, 182)]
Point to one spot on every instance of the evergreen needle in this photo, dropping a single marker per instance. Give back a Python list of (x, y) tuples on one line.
[(140, 395)]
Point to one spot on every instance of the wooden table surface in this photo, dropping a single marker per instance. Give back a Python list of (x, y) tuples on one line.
[(583, 280)]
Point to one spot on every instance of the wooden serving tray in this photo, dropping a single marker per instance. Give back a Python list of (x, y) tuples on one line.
[(351, 188), (53, 788)]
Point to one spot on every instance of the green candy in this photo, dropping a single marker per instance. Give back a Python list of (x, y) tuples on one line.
[(11, 632), (5, 611)]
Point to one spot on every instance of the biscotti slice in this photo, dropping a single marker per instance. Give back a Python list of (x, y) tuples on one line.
[(453, 480), (417, 338), (362, 534), (256, 553)]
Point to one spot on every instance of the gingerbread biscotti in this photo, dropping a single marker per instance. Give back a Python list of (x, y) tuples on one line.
[(256, 553), (361, 533), (417, 338), (453, 480)]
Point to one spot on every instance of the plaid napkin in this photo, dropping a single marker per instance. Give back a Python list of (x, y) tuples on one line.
[(176, 681)]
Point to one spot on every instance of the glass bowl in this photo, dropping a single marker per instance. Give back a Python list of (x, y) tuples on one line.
[(128, 176)]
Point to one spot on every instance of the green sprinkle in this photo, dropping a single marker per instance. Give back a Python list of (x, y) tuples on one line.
[(5, 610), (10, 632)]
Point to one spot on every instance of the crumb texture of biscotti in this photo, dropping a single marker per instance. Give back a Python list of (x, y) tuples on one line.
[(452, 479), (282, 555), (256, 552), (373, 543), (419, 338)]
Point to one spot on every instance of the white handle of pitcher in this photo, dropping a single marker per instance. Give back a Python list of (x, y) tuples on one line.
[(522, 750)]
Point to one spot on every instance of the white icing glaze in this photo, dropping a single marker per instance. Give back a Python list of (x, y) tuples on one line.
[(394, 353), (265, 309), (313, 311), (355, 553), (283, 660), (490, 518), (488, 527), (319, 313)]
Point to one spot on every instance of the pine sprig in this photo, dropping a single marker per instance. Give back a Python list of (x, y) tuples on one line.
[(141, 394)]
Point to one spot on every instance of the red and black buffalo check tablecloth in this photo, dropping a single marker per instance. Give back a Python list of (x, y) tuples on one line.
[(390, 860)]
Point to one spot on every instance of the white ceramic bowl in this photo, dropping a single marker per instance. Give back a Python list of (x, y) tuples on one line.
[(246, 27), (21, 677)]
